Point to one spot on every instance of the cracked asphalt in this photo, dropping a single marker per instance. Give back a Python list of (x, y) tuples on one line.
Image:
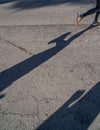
[(49, 71)]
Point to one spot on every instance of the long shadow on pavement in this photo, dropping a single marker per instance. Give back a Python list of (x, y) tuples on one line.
[(7, 77), (27, 4), (7, 1), (76, 116)]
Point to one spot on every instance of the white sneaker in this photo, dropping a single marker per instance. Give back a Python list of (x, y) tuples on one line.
[(79, 18), (95, 23)]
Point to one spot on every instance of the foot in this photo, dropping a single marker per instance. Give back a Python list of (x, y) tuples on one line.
[(79, 18), (95, 23)]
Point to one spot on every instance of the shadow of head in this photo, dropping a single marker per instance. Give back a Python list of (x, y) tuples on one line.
[(60, 39)]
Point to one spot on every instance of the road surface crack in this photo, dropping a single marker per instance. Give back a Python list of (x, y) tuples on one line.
[(18, 47)]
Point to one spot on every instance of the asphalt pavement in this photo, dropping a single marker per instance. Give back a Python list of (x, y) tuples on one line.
[(49, 66)]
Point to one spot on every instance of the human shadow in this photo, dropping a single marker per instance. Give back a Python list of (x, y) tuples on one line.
[(75, 116), (27, 4), (2, 96), (7, 77), (7, 1)]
